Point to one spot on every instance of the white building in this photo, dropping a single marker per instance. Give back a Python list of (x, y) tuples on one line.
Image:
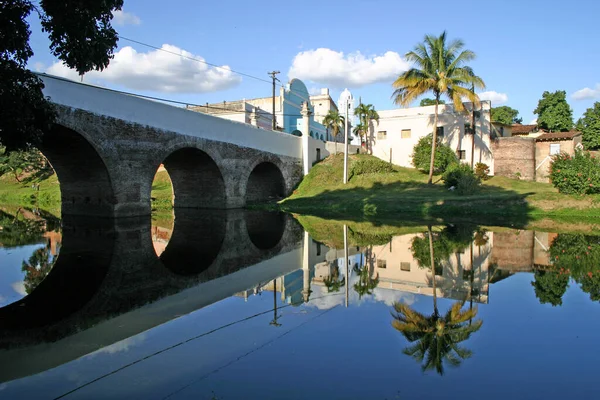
[(399, 130), (346, 101)]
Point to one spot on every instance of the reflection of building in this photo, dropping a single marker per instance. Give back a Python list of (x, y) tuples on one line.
[(521, 251), (287, 110), (398, 131), (160, 238), (462, 274)]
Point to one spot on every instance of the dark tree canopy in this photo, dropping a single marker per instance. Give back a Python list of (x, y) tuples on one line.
[(81, 36), (554, 113), (430, 102), (506, 115), (589, 126)]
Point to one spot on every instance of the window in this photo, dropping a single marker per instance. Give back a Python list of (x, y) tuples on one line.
[(468, 130), (319, 154), (381, 264), (440, 131), (467, 274), (405, 134), (554, 148), (382, 135), (404, 266), (462, 154), (439, 270)]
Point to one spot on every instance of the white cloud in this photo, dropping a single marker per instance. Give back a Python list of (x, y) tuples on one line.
[(159, 71), (19, 287), (122, 18), (495, 97), (533, 121), (337, 69), (122, 346), (587, 93)]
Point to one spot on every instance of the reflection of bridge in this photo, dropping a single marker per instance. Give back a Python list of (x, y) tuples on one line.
[(106, 148), (108, 284)]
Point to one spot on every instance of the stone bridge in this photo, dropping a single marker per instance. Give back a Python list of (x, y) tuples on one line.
[(108, 284), (107, 146)]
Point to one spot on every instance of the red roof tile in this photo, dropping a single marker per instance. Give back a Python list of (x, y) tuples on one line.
[(518, 129), (557, 136)]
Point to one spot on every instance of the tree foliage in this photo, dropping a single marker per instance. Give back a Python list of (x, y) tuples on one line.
[(366, 113), (589, 126), (437, 337), (506, 115), (334, 122), (554, 113), (421, 156), (80, 35), (577, 174), (439, 67), (20, 162), (430, 102)]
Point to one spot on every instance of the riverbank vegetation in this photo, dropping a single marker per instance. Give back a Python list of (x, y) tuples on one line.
[(403, 193)]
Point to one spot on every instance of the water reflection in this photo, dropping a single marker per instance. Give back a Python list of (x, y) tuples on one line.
[(112, 284), (437, 337)]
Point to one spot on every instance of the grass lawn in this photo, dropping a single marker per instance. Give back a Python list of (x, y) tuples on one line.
[(15, 194), (404, 193)]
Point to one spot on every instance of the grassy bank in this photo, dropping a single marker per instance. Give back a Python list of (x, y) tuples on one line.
[(44, 194), (403, 192)]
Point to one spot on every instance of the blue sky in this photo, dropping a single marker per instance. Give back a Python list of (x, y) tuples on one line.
[(523, 47)]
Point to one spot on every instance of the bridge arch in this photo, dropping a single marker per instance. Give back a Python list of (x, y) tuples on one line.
[(196, 178), (265, 182), (85, 183), (265, 229), (197, 241)]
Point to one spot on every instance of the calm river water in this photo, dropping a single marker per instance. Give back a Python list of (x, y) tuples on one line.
[(248, 305)]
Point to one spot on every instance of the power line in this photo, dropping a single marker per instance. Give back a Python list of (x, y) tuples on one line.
[(208, 63), (193, 59), (139, 360)]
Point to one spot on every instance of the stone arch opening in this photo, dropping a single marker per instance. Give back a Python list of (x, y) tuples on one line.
[(196, 242), (265, 229), (85, 184), (196, 179), (78, 273), (265, 183)]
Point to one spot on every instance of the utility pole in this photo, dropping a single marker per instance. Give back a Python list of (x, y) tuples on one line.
[(273, 76), (346, 124)]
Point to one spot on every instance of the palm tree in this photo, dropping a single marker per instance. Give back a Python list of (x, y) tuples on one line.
[(440, 67), (360, 131), (437, 336), (333, 282), (366, 113), (366, 283), (334, 121)]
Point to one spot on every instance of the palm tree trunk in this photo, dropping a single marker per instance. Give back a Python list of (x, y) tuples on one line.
[(335, 141), (432, 259), (434, 140)]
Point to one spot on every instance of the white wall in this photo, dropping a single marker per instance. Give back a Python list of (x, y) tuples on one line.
[(420, 121), (162, 116)]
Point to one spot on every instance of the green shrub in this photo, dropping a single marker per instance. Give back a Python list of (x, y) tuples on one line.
[(370, 166), (482, 171), (421, 156), (462, 178), (578, 174)]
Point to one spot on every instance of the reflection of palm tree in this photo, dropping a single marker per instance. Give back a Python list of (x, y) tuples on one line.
[(366, 283), (37, 268), (333, 283), (437, 336)]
